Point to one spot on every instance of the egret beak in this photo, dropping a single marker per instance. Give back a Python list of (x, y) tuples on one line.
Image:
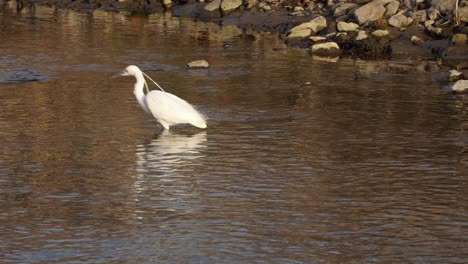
[(119, 74)]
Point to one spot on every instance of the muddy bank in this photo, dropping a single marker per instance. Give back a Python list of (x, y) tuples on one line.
[(415, 30)]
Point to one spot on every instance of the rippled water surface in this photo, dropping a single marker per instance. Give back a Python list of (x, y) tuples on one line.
[(301, 162)]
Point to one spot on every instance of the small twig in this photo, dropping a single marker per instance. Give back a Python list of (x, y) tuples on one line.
[(457, 15)]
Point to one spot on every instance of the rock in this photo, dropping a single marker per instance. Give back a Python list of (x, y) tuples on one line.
[(371, 11), (455, 57), (455, 75), (198, 64), (251, 4), (264, 6), (450, 76), (316, 39), (213, 6), (167, 3), (344, 26), (428, 23), (298, 9), (419, 16), (416, 40), (309, 28), (342, 38), (21, 75), (400, 21), (461, 86), (459, 39), (463, 14), (343, 9), (328, 49), (433, 13), (379, 34), (392, 8), (361, 35), (443, 6), (370, 48), (299, 33), (435, 31), (227, 6)]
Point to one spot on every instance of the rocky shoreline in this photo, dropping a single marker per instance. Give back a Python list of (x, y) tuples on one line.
[(409, 30)]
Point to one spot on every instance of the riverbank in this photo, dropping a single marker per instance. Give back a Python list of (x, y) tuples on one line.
[(380, 29)]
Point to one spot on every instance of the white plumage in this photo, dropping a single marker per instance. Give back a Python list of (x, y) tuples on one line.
[(167, 108)]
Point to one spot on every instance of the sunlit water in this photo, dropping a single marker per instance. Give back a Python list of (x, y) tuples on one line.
[(301, 161)]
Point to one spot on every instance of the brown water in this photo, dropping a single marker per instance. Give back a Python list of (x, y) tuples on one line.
[(300, 163)]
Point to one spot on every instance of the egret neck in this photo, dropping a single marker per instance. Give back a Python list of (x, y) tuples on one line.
[(138, 92)]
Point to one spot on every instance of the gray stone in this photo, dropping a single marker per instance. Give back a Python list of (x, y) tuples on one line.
[(326, 49), (213, 6), (443, 6), (227, 6), (461, 86), (400, 21), (198, 64), (371, 11), (344, 26), (419, 16), (343, 9), (392, 8)]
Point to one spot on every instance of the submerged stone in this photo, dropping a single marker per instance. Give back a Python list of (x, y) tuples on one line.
[(21, 75), (459, 39)]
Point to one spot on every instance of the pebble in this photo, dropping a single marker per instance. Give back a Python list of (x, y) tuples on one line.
[(198, 64)]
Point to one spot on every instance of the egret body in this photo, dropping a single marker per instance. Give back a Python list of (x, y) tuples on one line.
[(167, 108)]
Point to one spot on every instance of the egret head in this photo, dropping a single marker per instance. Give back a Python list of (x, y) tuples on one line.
[(131, 70)]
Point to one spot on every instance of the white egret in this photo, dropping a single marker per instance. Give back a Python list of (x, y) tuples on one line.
[(167, 108)]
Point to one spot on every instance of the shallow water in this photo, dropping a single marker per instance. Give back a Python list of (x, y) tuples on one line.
[(301, 161)]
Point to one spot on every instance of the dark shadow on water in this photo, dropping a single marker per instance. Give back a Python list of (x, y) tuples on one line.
[(21, 75)]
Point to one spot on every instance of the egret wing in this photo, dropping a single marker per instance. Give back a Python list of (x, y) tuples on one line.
[(172, 110)]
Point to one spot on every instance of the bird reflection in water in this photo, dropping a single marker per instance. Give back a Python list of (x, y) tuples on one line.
[(166, 181), (170, 153)]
